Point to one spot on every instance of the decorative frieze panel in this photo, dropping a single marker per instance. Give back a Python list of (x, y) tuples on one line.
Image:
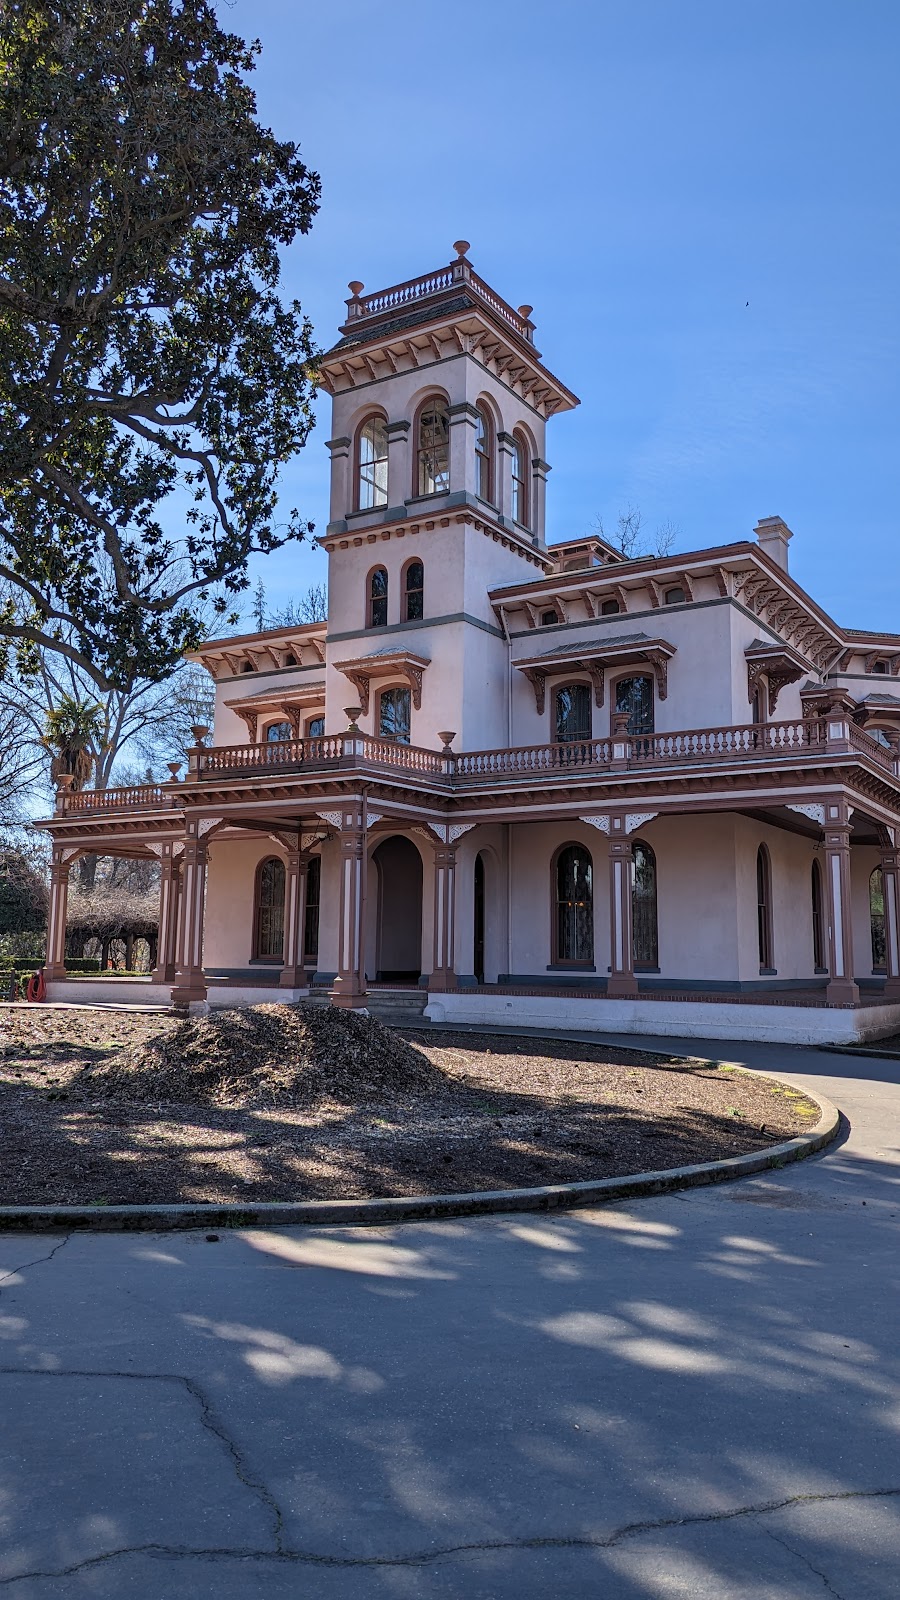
[(816, 813)]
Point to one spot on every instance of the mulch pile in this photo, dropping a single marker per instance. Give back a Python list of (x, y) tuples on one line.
[(268, 1055), (305, 1102)]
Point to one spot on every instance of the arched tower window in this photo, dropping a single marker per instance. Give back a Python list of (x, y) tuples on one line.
[(433, 448), (764, 909), (373, 464), (378, 598), (876, 920), (573, 713), (574, 897), (643, 905), (414, 592), (818, 921), (519, 499), (268, 920), (484, 455)]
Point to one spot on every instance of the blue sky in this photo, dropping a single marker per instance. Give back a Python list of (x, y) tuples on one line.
[(638, 172)]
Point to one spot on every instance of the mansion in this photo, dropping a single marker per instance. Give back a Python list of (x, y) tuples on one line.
[(533, 784)]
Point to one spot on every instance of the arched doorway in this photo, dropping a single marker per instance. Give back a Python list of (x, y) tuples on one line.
[(478, 967), (399, 924)]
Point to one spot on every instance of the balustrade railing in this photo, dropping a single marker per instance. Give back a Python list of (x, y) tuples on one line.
[(403, 294), (743, 742)]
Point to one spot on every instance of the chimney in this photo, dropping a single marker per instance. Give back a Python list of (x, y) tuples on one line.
[(773, 534)]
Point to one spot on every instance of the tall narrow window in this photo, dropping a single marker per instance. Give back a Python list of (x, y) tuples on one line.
[(414, 592), (643, 905), (573, 713), (378, 598), (313, 896), (876, 918), (478, 953), (635, 696), (434, 449), (373, 464), (519, 500), (483, 454), (764, 909), (818, 921), (268, 938), (574, 906), (393, 715)]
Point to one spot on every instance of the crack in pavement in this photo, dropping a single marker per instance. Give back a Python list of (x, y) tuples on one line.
[(806, 1562), (27, 1265), (208, 1418), (285, 1556)]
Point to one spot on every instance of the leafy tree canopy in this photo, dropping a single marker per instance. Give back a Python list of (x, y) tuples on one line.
[(23, 896), (146, 358)]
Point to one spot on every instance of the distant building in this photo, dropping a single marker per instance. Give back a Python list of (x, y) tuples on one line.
[(541, 784)]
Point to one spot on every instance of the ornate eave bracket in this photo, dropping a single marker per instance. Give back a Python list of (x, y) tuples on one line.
[(402, 664), (778, 671)]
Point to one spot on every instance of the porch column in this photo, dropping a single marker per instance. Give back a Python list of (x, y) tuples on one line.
[(841, 989), (190, 980), (293, 973), (889, 869), (443, 964), (349, 988), (169, 895), (622, 980), (55, 963)]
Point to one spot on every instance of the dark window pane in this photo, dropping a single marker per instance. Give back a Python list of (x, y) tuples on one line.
[(876, 915), (817, 920), (573, 713), (643, 905), (483, 456), (763, 909), (316, 728), (378, 592), (394, 716), (414, 608), (574, 905), (674, 597), (270, 910), (610, 608), (635, 696), (277, 732), (311, 927)]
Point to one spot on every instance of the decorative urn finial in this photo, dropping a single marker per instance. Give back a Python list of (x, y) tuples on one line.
[(461, 246)]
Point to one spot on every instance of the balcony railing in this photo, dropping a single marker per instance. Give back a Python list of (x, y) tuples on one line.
[(745, 743), (399, 295)]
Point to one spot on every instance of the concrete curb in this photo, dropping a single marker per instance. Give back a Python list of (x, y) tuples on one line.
[(426, 1208), (860, 1050)]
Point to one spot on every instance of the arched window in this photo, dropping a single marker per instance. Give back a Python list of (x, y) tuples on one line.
[(818, 921), (373, 464), (645, 932), (484, 455), (393, 715), (573, 713), (764, 909), (247, 666), (279, 732), (378, 598), (313, 897), (574, 897), (268, 920), (315, 728), (635, 697), (876, 919), (549, 618), (433, 450), (414, 592), (610, 608), (519, 499), (675, 596)]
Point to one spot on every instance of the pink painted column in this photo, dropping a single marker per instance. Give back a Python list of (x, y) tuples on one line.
[(55, 964), (169, 899), (889, 869), (622, 980), (842, 988), (443, 964), (190, 980), (349, 988), (293, 973)]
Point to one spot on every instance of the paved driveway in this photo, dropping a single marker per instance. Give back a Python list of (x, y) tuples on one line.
[(686, 1396)]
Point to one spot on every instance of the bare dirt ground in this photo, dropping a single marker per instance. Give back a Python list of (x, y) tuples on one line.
[(105, 1108)]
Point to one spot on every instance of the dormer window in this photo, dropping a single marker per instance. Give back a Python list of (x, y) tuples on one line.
[(610, 608), (879, 666), (483, 455), (434, 449), (247, 666), (548, 618), (290, 659), (378, 598), (373, 464), (675, 596), (519, 498)]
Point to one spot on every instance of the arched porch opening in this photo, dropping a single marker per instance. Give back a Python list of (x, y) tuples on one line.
[(398, 925)]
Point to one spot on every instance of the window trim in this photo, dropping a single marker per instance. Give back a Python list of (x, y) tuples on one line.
[(622, 676), (564, 963), (487, 455), (370, 599), (378, 505), (520, 444), (414, 561), (319, 717), (580, 738)]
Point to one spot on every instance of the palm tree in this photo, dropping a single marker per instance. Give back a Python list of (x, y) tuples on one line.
[(73, 732)]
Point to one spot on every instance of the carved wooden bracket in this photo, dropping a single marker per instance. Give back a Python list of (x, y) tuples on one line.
[(252, 720), (777, 673), (538, 681), (660, 664)]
